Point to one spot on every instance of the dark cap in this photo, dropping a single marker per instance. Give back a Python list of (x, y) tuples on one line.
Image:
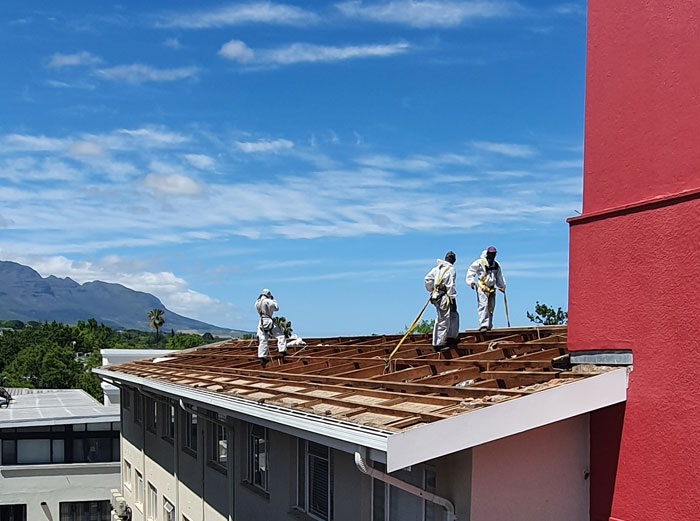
[(450, 257), (491, 249)]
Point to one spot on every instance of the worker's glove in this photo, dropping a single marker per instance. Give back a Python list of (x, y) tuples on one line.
[(502, 289), (473, 286), (442, 288)]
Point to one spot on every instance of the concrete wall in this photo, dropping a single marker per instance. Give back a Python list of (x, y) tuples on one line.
[(54, 484), (635, 253), (535, 476), (539, 475)]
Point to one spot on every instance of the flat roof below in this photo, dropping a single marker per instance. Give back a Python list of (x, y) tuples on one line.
[(41, 407)]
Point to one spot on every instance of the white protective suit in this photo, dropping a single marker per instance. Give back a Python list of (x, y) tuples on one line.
[(446, 319), (486, 279), (266, 306)]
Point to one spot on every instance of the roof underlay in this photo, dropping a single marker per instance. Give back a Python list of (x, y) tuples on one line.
[(340, 387)]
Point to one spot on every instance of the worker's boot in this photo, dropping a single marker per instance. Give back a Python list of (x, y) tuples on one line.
[(263, 362), (483, 329)]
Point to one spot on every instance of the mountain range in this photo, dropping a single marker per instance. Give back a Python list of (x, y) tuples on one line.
[(25, 295)]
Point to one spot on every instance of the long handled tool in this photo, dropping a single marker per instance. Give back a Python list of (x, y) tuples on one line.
[(438, 282), (505, 304), (408, 332)]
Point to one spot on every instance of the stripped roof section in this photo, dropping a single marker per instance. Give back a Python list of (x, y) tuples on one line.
[(345, 377)]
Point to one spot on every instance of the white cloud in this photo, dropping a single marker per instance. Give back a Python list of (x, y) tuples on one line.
[(264, 145), (172, 290), (506, 149), (236, 50), (138, 73), (240, 14), (25, 142), (201, 161), (416, 163), (570, 8), (153, 137), (86, 148), (84, 59), (173, 184), (426, 14), (308, 53), (172, 43)]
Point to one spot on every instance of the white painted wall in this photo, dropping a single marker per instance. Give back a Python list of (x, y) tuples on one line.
[(539, 475), (54, 484)]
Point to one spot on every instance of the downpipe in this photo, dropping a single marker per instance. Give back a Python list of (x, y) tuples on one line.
[(411, 489)]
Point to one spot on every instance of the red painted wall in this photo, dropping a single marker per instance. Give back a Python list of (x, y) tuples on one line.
[(635, 267), (642, 100)]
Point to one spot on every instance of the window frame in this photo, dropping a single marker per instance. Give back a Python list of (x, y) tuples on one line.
[(217, 434), (138, 407), (152, 507), (168, 514), (138, 499), (151, 414), (105, 514), (126, 478), (190, 438), (304, 497), (427, 473), (252, 437), (169, 421)]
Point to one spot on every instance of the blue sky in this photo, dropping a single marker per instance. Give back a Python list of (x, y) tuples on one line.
[(329, 151)]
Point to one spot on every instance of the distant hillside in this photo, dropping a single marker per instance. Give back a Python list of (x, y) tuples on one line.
[(25, 295)]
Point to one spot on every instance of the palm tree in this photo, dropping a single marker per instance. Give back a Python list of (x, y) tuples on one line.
[(156, 320), (284, 325)]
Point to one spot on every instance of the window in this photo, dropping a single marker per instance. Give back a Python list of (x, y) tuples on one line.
[(13, 512), (152, 511), (127, 474), (258, 459), (219, 442), (315, 480), (85, 511), (168, 510), (151, 415), (126, 398), (191, 431), (79, 443), (139, 489), (138, 407), (169, 425), (393, 504)]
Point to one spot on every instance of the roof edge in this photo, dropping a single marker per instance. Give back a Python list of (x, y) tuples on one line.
[(283, 418), (500, 420)]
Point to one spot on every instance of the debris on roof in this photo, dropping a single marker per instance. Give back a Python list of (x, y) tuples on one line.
[(345, 377)]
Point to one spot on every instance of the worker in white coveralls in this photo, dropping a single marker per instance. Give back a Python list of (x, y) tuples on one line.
[(485, 276), (266, 305), (440, 282)]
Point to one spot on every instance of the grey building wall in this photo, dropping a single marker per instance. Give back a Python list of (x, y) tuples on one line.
[(494, 477)]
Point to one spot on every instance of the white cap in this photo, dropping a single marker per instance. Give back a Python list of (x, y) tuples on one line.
[(266, 292)]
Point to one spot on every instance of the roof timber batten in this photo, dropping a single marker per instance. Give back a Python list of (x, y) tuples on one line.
[(345, 377)]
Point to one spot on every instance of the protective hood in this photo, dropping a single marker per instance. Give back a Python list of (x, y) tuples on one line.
[(442, 263)]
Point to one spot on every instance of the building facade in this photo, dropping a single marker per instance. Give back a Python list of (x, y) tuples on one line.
[(59, 457), (634, 258)]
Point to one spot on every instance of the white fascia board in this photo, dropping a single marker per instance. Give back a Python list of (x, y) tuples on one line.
[(505, 419), (298, 423), (46, 422)]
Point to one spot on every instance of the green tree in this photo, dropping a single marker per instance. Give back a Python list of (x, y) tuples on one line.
[(247, 336), (156, 320), (284, 325), (184, 341), (87, 380), (43, 365), (547, 316), (424, 326)]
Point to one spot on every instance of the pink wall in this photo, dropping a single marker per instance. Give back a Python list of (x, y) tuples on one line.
[(634, 278)]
